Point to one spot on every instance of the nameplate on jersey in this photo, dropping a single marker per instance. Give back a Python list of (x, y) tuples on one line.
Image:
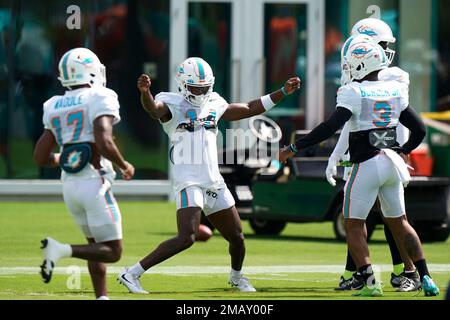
[(75, 157), (383, 138)]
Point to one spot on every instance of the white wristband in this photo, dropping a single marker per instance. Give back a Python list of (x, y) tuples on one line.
[(267, 102)]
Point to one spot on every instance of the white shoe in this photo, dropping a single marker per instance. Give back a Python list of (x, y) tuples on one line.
[(103, 298), (51, 256), (243, 285), (131, 282)]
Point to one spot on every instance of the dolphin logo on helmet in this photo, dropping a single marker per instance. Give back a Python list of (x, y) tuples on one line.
[(361, 51), (367, 31)]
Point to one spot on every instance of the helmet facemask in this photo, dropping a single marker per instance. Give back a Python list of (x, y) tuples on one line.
[(390, 54), (198, 95)]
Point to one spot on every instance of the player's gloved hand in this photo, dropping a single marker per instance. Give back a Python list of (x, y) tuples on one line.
[(127, 173), (144, 83), (331, 170)]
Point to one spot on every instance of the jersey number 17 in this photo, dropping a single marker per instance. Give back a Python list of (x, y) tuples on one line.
[(74, 119)]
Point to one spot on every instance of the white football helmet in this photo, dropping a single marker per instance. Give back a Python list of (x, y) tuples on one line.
[(81, 66), (364, 58), (195, 72), (379, 31), (346, 76)]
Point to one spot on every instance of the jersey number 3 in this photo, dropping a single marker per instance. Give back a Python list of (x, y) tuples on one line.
[(75, 119), (383, 110)]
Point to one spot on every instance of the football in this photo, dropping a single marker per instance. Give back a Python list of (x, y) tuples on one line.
[(204, 233)]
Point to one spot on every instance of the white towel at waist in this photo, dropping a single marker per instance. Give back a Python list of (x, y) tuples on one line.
[(400, 165)]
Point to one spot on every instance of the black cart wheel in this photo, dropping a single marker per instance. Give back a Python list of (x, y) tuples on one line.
[(339, 228), (267, 227)]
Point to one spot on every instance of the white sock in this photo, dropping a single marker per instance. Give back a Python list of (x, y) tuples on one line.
[(235, 276), (65, 250), (61, 250), (136, 270)]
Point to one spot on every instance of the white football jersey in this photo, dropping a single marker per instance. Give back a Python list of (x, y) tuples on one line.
[(71, 117), (387, 74), (374, 104), (193, 137)]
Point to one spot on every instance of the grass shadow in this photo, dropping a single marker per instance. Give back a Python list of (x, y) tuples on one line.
[(280, 238)]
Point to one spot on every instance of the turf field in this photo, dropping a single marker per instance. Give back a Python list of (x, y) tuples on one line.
[(304, 262)]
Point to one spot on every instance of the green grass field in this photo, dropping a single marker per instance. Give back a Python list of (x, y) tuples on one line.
[(302, 263)]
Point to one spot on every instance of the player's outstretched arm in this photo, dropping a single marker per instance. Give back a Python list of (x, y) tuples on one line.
[(238, 111), (156, 110), (43, 152), (320, 133), (103, 133)]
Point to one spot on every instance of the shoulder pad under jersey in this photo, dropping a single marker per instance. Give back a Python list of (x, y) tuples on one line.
[(169, 98), (394, 74), (216, 99), (50, 102)]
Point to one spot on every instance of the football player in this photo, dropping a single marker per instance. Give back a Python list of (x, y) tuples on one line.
[(404, 276), (190, 118), (81, 123), (373, 109)]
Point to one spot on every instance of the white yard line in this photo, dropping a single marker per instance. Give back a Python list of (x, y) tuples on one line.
[(187, 270)]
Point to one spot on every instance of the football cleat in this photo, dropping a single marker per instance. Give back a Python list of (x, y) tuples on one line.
[(411, 282), (243, 285), (356, 282), (131, 282), (51, 256), (409, 285), (373, 291), (396, 280), (429, 287)]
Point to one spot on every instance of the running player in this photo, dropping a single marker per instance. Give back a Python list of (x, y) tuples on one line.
[(81, 123), (190, 119), (404, 276), (374, 108)]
